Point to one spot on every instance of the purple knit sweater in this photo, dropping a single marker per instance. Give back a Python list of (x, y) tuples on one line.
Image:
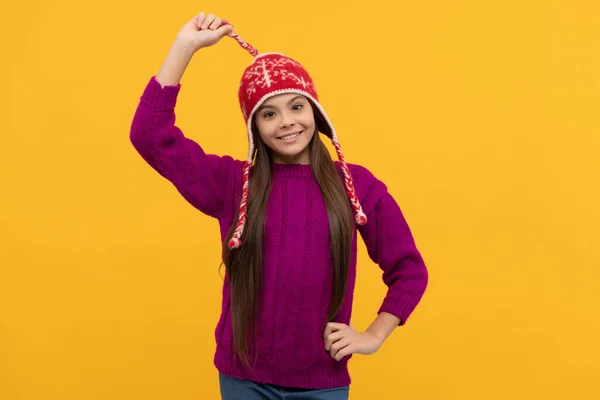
[(297, 264)]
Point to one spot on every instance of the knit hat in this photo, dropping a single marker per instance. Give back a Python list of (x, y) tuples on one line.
[(272, 74)]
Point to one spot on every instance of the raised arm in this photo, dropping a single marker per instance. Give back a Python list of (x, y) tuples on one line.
[(201, 178)]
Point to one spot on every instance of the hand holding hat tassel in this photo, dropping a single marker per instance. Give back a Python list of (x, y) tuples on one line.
[(204, 31)]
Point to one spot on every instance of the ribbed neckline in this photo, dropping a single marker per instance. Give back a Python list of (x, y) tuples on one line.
[(292, 170)]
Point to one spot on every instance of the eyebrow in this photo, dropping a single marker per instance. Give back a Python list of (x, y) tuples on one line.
[(270, 106)]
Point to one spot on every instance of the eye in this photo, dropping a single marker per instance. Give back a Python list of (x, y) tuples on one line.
[(298, 105), (268, 114)]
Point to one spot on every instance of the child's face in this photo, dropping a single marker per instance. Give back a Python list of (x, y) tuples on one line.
[(284, 115)]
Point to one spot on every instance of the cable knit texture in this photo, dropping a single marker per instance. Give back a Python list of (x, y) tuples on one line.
[(297, 261)]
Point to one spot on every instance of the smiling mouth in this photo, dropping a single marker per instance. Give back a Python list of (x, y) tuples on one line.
[(290, 137)]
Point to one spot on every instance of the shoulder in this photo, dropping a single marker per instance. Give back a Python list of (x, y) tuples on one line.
[(225, 167), (235, 170), (230, 181), (369, 189), (237, 165)]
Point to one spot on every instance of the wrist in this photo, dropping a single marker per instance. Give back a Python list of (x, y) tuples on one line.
[(377, 335), (383, 325), (183, 48)]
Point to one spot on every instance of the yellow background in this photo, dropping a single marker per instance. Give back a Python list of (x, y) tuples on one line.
[(481, 117)]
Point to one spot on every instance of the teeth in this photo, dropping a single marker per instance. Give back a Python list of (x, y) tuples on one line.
[(290, 136)]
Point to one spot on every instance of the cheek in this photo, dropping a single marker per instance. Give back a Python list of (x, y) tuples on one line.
[(265, 130), (310, 135), (308, 119)]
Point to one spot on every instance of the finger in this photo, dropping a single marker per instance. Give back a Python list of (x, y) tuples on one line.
[(336, 326), (224, 30), (199, 19), (332, 327), (215, 24), (344, 352), (332, 338), (338, 346), (327, 331), (209, 19)]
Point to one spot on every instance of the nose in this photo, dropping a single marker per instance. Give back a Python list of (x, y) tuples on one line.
[(287, 120)]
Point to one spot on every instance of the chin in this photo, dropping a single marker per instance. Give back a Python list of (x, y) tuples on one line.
[(291, 152)]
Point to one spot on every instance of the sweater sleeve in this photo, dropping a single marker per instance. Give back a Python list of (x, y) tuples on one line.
[(201, 178), (391, 245)]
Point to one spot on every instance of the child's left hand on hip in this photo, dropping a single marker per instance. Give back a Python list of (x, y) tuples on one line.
[(342, 340)]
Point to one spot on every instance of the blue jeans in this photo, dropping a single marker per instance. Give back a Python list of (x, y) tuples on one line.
[(236, 389)]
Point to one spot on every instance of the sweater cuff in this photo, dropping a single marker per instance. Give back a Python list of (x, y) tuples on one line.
[(401, 308), (159, 98)]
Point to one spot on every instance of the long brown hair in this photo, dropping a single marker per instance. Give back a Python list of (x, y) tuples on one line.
[(244, 265)]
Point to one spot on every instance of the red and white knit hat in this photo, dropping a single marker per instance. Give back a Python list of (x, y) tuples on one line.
[(272, 74)]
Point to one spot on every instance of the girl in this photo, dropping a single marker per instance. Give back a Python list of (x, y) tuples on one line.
[(288, 219)]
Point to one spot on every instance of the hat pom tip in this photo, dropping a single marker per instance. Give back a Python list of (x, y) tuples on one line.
[(361, 219), (234, 243)]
